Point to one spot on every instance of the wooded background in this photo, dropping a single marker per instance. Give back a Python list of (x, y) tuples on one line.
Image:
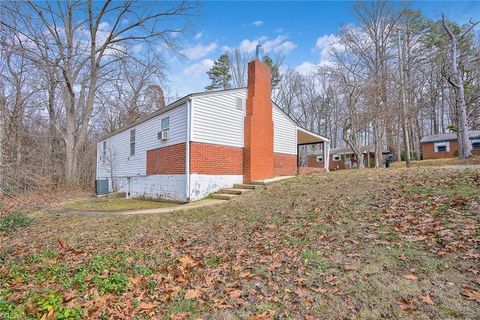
[(68, 76)]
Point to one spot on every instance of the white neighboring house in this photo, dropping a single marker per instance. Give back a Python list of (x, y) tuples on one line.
[(204, 142)]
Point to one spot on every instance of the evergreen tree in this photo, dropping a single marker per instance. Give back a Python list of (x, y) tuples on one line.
[(220, 74), (276, 76)]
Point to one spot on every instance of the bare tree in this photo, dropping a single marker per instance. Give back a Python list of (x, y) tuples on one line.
[(457, 83), (85, 37)]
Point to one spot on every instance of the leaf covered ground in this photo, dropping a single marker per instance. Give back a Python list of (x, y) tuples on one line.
[(369, 244)]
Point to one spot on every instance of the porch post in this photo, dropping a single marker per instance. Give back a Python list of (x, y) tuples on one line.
[(326, 156)]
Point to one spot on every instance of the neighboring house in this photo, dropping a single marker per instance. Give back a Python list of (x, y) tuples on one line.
[(445, 145), (204, 142), (343, 158)]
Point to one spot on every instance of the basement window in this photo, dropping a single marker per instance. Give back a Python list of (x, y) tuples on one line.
[(336, 157), (442, 146), (132, 142), (319, 159)]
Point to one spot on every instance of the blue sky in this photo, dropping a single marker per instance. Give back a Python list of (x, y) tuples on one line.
[(302, 31)]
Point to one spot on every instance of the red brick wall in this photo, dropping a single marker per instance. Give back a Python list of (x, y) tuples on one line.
[(428, 151), (215, 159), (284, 164), (312, 162), (258, 133), (166, 160)]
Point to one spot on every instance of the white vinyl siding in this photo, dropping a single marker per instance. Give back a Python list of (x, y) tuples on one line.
[(284, 132), (216, 119), (146, 138)]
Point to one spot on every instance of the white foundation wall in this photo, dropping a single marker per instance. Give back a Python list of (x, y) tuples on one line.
[(201, 185), (167, 187)]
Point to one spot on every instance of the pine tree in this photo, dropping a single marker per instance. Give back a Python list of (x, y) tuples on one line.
[(276, 76), (220, 74)]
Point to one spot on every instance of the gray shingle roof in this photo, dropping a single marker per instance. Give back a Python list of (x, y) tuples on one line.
[(448, 137)]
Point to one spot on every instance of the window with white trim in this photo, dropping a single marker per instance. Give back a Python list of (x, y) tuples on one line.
[(442, 146), (336, 157), (475, 144), (165, 128), (104, 151), (319, 159), (132, 142)]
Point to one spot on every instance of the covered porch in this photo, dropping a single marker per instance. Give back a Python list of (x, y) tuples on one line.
[(308, 138)]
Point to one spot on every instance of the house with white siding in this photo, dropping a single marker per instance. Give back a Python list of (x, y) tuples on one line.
[(204, 142)]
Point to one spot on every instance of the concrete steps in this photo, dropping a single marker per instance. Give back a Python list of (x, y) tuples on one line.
[(237, 190), (245, 186), (242, 188), (223, 196), (234, 191)]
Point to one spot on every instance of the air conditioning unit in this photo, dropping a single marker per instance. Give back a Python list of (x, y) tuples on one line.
[(163, 134)]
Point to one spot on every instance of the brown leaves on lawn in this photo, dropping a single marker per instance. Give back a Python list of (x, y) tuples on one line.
[(312, 248), (470, 293)]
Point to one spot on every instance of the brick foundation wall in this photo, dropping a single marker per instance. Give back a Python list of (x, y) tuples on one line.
[(428, 151), (215, 159), (312, 162), (309, 170), (166, 160), (258, 133), (284, 164)]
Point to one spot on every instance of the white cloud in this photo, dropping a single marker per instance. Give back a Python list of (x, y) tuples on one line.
[(198, 36), (199, 68), (280, 44), (306, 68), (257, 23), (324, 44), (199, 51)]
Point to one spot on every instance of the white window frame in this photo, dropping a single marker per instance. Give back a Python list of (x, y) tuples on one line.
[(445, 144), (132, 142), (165, 127), (336, 157), (319, 158)]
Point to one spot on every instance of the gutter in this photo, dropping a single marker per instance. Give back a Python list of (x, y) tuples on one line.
[(187, 148)]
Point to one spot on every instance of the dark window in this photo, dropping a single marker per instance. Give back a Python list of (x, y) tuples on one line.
[(104, 151), (476, 145), (132, 142), (441, 148)]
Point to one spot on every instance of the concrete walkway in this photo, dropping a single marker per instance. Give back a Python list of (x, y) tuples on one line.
[(187, 206)]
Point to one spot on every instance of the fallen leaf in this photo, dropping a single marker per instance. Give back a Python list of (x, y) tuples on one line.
[(426, 298), (192, 294), (235, 293), (301, 292), (471, 294), (410, 277), (267, 315), (146, 306), (179, 316)]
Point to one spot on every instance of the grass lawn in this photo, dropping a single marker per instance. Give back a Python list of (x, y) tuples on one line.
[(112, 204), (366, 244), (474, 160)]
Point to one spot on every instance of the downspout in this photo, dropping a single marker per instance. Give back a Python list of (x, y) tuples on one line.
[(187, 148)]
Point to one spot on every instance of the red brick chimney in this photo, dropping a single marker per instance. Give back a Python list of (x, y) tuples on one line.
[(258, 133)]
